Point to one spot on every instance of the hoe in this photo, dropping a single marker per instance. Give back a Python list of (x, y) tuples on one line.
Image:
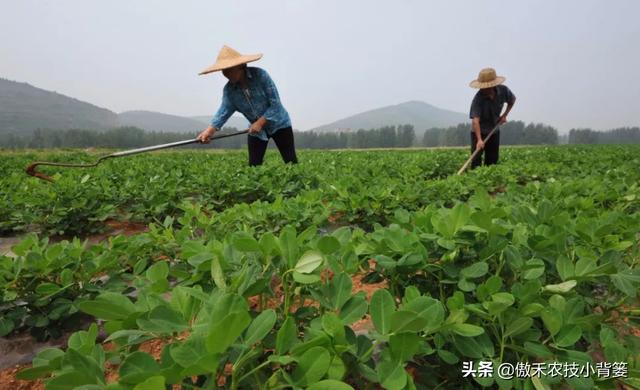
[(31, 169), (475, 153)]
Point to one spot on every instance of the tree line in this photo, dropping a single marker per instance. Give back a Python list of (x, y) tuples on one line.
[(131, 137), (118, 138), (512, 133), (402, 136), (622, 135)]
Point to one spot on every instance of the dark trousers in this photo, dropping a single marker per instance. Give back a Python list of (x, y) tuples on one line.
[(284, 141), (491, 150)]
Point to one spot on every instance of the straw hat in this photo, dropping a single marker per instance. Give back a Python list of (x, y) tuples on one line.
[(486, 79), (228, 58)]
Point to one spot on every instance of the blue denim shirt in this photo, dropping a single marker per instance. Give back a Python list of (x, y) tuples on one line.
[(261, 99)]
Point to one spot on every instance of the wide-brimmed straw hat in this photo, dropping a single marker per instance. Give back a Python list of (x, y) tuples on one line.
[(228, 58), (486, 79)]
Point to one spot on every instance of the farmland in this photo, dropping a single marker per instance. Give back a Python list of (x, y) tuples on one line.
[(377, 269)]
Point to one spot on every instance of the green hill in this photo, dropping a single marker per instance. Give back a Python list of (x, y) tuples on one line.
[(156, 121), (25, 108), (419, 114), (237, 121)]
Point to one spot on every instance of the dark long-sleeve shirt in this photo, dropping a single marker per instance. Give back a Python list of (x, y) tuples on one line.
[(489, 110)]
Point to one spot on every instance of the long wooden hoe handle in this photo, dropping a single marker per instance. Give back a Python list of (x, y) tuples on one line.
[(475, 153)]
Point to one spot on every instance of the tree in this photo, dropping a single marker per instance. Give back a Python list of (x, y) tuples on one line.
[(405, 136)]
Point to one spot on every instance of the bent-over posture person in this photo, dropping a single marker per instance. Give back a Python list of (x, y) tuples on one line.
[(485, 112), (251, 92)]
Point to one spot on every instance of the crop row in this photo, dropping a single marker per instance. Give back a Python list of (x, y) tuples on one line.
[(362, 187), (528, 261)]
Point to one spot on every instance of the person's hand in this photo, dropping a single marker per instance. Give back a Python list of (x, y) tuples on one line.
[(205, 136), (255, 127), (480, 145), (503, 119)]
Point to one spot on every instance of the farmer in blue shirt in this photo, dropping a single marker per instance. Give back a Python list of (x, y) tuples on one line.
[(251, 92), (485, 114)]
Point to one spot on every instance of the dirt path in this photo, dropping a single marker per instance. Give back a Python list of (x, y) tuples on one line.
[(6, 243)]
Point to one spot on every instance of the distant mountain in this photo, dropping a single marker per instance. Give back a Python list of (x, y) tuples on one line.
[(156, 121), (419, 114), (237, 121), (202, 118), (24, 108)]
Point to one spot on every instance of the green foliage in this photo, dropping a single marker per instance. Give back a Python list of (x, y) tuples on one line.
[(532, 260)]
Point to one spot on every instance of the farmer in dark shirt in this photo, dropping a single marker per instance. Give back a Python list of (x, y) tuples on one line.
[(485, 115)]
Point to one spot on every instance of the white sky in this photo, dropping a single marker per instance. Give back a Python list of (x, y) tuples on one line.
[(571, 63)]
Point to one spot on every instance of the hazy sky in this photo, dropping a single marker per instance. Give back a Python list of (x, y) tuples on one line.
[(570, 63)]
